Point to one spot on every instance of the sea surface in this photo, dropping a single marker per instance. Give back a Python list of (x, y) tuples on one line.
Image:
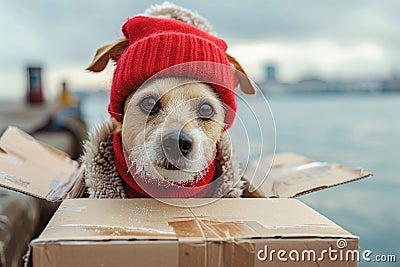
[(353, 130)]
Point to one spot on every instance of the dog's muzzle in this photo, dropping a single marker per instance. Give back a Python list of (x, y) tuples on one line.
[(177, 145)]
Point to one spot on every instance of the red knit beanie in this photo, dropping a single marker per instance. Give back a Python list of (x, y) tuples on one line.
[(156, 44)]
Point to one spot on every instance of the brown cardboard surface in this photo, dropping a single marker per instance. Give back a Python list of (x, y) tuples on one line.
[(172, 254), (105, 219), (293, 175), (106, 253), (227, 232), (31, 167)]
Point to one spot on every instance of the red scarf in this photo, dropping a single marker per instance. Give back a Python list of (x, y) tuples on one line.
[(158, 189)]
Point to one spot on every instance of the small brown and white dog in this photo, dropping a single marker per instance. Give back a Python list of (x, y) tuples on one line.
[(171, 126)]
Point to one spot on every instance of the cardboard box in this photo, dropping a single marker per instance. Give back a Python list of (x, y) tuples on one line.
[(146, 232)]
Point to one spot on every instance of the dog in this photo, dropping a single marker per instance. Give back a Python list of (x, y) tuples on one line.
[(170, 129)]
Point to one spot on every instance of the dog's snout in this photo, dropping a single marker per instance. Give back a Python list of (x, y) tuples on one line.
[(177, 143), (185, 143)]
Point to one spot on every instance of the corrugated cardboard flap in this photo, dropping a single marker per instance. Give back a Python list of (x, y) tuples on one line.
[(292, 175), (33, 168)]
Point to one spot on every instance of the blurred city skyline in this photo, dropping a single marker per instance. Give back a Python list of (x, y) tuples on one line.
[(330, 40)]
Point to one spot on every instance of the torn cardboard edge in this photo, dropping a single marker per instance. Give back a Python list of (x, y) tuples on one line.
[(293, 175), (31, 167), (36, 169)]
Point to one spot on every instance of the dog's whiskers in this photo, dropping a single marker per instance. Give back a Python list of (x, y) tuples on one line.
[(133, 164)]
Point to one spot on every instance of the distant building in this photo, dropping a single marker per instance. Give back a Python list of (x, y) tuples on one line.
[(271, 85), (392, 85), (320, 86), (310, 85), (271, 73)]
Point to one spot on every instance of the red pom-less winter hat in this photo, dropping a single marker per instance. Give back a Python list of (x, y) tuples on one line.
[(156, 44)]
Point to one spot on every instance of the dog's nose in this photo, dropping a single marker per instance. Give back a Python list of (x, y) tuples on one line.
[(177, 143)]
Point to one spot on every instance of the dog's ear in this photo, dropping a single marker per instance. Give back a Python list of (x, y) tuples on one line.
[(104, 53), (246, 85)]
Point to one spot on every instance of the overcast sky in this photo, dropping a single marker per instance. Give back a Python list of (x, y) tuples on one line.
[(304, 38)]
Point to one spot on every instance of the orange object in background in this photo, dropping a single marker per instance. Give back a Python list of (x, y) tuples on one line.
[(66, 97)]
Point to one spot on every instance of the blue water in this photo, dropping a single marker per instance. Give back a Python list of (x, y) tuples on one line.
[(359, 131), (353, 130)]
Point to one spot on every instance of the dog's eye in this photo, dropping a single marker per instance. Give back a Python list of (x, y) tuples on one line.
[(149, 105), (206, 111)]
